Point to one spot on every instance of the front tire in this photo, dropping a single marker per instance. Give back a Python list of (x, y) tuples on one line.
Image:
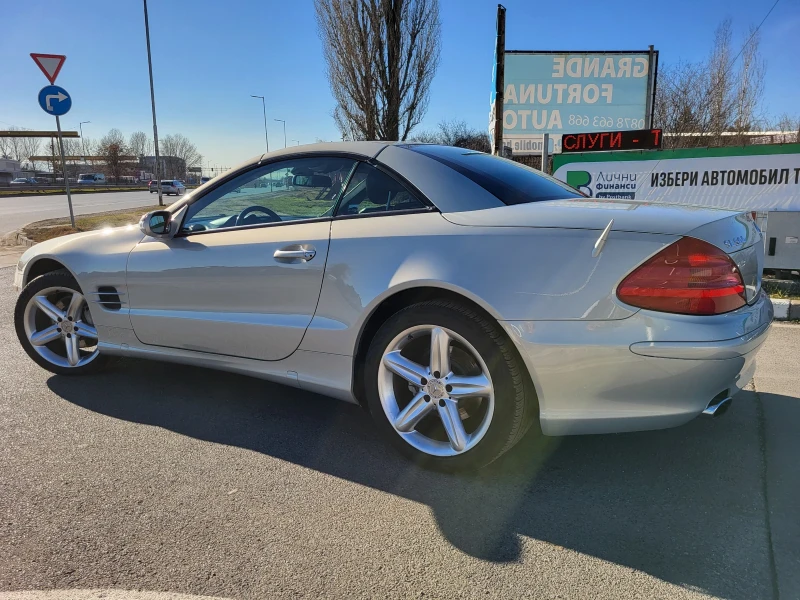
[(55, 327), (446, 388)]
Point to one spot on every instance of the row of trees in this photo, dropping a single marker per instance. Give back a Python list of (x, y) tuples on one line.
[(714, 102), (120, 155), (456, 133)]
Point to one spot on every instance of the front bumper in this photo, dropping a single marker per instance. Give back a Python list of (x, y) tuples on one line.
[(649, 371)]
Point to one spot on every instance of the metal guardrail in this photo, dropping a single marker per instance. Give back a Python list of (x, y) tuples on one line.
[(78, 188), (27, 188)]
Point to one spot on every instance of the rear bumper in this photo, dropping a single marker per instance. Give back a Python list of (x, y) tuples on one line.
[(649, 371)]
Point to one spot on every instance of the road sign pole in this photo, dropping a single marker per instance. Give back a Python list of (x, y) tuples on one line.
[(545, 153), (153, 103), (650, 103), (500, 68), (64, 171)]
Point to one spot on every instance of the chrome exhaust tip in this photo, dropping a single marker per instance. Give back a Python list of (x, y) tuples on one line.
[(717, 406)]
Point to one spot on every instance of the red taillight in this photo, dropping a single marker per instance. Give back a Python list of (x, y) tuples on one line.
[(690, 277)]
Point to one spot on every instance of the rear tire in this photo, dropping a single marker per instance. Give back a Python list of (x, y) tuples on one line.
[(485, 380)]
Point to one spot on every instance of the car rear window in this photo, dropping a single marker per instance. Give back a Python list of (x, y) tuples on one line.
[(509, 181), (167, 182)]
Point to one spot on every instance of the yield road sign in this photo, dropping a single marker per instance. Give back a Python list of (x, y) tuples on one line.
[(50, 64), (54, 100)]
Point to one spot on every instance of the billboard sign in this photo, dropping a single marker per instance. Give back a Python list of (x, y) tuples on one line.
[(574, 92), (758, 177), (638, 139)]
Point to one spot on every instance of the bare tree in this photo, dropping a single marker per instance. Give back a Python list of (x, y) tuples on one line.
[(750, 84), (15, 147), (788, 126), (140, 144), (113, 149), (178, 154), (5, 147), (456, 133), (89, 147), (30, 147), (699, 102), (380, 66)]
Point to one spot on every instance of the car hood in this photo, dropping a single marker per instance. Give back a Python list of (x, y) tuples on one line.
[(111, 240)]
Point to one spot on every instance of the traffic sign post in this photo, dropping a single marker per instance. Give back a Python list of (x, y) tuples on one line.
[(55, 100), (64, 170)]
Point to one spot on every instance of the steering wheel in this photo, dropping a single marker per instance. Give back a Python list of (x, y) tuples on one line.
[(274, 217)]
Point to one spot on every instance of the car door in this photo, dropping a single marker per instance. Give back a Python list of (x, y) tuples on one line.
[(243, 275)]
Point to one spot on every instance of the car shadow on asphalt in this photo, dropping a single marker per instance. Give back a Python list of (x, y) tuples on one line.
[(685, 505)]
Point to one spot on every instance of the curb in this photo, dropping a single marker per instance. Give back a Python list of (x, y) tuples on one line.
[(786, 310), (15, 238)]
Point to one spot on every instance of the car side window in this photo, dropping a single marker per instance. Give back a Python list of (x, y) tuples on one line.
[(289, 190), (372, 191)]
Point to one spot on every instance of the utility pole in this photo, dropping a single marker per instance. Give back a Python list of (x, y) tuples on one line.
[(264, 108), (500, 66), (83, 143), (284, 131), (153, 103)]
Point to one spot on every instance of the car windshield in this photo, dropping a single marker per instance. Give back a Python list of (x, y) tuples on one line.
[(511, 182)]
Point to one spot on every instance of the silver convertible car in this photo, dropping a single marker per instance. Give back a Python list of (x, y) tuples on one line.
[(461, 298)]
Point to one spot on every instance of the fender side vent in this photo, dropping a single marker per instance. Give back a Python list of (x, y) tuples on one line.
[(108, 297)]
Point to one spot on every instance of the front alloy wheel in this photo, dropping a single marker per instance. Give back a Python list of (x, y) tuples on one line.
[(445, 386), (55, 326)]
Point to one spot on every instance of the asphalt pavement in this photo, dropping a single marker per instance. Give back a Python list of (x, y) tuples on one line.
[(15, 212), (180, 482)]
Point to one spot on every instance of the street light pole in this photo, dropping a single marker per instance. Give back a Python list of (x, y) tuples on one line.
[(83, 143), (284, 131), (153, 103), (264, 108), (298, 142)]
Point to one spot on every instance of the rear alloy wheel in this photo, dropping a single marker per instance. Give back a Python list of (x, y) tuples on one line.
[(445, 387), (55, 326)]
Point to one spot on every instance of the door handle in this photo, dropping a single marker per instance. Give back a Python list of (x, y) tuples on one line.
[(295, 253)]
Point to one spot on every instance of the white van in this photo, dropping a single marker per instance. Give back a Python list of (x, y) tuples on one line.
[(91, 178)]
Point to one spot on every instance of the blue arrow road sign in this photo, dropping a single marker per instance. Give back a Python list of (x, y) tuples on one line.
[(55, 100)]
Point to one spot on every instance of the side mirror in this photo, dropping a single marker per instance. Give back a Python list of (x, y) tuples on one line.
[(156, 223)]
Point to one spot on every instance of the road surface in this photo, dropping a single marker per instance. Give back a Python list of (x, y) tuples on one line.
[(170, 479), (19, 211)]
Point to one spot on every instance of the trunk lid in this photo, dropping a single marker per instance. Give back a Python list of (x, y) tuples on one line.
[(734, 232), (592, 213)]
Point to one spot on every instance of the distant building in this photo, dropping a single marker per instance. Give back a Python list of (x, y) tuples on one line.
[(9, 169), (170, 166)]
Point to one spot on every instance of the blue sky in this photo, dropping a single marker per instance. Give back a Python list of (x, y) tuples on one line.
[(209, 56)]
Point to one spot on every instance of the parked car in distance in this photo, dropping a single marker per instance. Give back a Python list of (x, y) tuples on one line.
[(24, 181), (205, 180), (168, 186), (91, 178), (462, 298)]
